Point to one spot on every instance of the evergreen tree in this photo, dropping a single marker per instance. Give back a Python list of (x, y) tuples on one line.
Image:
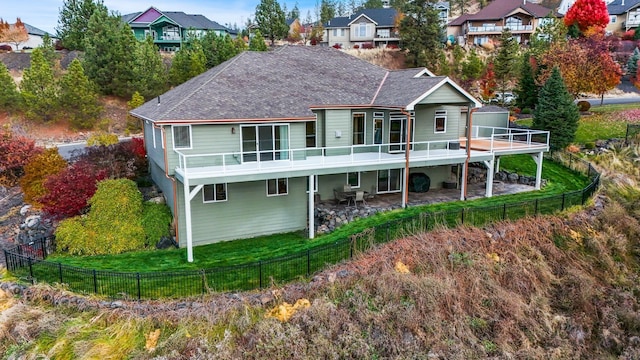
[(472, 66), (133, 123), (372, 4), (505, 62), (257, 42), (327, 10), (552, 31), (39, 88), (271, 21), (9, 95), (48, 50), (421, 34), (79, 97), (527, 90), (110, 54), (294, 13), (632, 63), (556, 112), (187, 63), (73, 22), (150, 73)]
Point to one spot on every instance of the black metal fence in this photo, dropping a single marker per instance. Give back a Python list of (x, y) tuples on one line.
[(633, 134), (28, 261)]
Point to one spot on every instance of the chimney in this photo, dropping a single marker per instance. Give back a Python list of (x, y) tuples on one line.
[(622, 2)]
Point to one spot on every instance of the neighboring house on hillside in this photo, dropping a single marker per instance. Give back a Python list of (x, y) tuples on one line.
[(170, 29), (521, 17), (35, 38), (239, 163), (367, 26), (624, 15)]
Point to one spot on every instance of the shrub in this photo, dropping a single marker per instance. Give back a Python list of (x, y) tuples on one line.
[(68, 192), (133, 124), (584, 105), (356, 46), (526, 111), (102, 139), (392, 46), (367, 46), (337, 46), (590, 145), (126, 159), (15, 152), (112, 226), (156, 220), (41, 166)]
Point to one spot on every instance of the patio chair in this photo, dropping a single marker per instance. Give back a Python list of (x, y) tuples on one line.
[(359, 197), (340, 197)]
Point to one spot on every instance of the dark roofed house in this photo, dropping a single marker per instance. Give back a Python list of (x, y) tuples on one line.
[(35, 38), (368, 26), (251, 146), (624, 15), (520, 16), (170, 29)]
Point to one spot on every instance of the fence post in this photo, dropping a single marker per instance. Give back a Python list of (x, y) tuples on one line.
[(204, 282), (563, 201), (589, 171), (260, 272), (351, 249), (95, 281), (504, 211), (583, 193), (536, 208), (30, 270), (570, 160), (462, 215), (308, 262), (43, 246), (138, 283), (388, 227), (6, 259), (60, 272)]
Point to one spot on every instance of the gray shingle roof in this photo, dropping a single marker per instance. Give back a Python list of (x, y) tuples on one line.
[(283, 84), (618, 7), (498, 9), (195, 21), (383, 17)]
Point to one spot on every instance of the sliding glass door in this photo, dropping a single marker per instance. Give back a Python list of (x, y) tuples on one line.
[(265, 142)]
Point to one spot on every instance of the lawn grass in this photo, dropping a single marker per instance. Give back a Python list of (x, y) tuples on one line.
[(560, 180), (601, 124)]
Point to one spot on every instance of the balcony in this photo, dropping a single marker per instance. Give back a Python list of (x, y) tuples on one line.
[(486, 142), (498, 29)]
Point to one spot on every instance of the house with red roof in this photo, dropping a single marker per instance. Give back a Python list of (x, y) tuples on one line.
[(521, 17)]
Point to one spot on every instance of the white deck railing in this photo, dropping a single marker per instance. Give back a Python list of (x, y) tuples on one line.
[(512, 28), (501, 138)]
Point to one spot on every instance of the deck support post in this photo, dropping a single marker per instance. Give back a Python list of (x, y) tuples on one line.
[(488, 192), (188, 196), (312, 206), (405, 191), (463, 185), (538, 159), (497, 167)]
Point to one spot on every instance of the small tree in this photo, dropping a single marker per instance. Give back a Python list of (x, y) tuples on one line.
[(9, 95), (488, 83), (36, 171), (133, 123), (556, 112), (150, 72), (256, 43), (632, 63), (15, 153), (79, 98), (187, 63), (15, 34), (271, 20), (527, 89), (39, 88), (421, 34), (472, 66), (588, 14), (73, 21), (67, 193), (506, 60)]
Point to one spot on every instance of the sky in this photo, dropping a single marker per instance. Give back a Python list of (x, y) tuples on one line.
[(43, 14)]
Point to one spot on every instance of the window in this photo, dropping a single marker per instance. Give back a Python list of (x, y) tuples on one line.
[(276, 187), (362, 29), (338, 32), (311, 134), (378, 121), (384, 33), (613, 18), (389, 180), (181, 136), (214, 193), (315, 184), (265, 142), (358, 128), (440, 123), (353, 179)]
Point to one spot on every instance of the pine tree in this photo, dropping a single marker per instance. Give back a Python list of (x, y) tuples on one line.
[(632, 63), (327, 10), (73, 22), (527, 90), (9, 95), (133, 123), (79, 97), (505, 63), (271, 21), (472, 66), (48, 50), (150, 73), (257, 42), (187, 63), (556, 112), (421, 34), (39, 88)]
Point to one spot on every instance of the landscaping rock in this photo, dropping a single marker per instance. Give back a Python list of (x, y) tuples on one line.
[(166, 242), (24, 210)]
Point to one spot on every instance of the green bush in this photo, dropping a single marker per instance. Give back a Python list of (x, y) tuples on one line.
[(102, 139), (584, 105), (113, 224), (590, 145), (36, 172), (526, 111), (156, 219)]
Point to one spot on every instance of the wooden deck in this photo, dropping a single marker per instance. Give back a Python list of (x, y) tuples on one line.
[(499, 145)]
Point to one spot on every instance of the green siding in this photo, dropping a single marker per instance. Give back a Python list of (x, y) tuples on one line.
[(338, 120), (437, 174), (425, 118), (497, 119), (164, 183), (249, 212), (446, 94)]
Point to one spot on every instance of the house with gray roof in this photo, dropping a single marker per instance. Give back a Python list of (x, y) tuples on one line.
[(170, 29), (521, 17), (35, 38), (624, 15), (368, 26), (250, 147)]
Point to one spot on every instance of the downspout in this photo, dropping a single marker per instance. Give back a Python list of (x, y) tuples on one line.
[(173, 181), (468, 146), (405, 198)]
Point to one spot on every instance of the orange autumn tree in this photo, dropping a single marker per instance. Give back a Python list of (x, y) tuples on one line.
[(15, 34), (591, 16)]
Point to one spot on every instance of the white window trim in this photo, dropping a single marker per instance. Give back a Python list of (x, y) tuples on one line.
[(440, 114), (378, 191), (353, 186), (377, 116), (315, 134), (276, 180), (226, 192), (242, 152), (315, 184), (153, 135), (364, 128), (173, 137)]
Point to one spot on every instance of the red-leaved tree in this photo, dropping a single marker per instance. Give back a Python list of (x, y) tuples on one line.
[(15, 152), (589, 15), (488, 83), (68, 192)]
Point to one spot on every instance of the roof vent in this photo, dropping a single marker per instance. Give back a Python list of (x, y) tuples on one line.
[(158, 99)]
